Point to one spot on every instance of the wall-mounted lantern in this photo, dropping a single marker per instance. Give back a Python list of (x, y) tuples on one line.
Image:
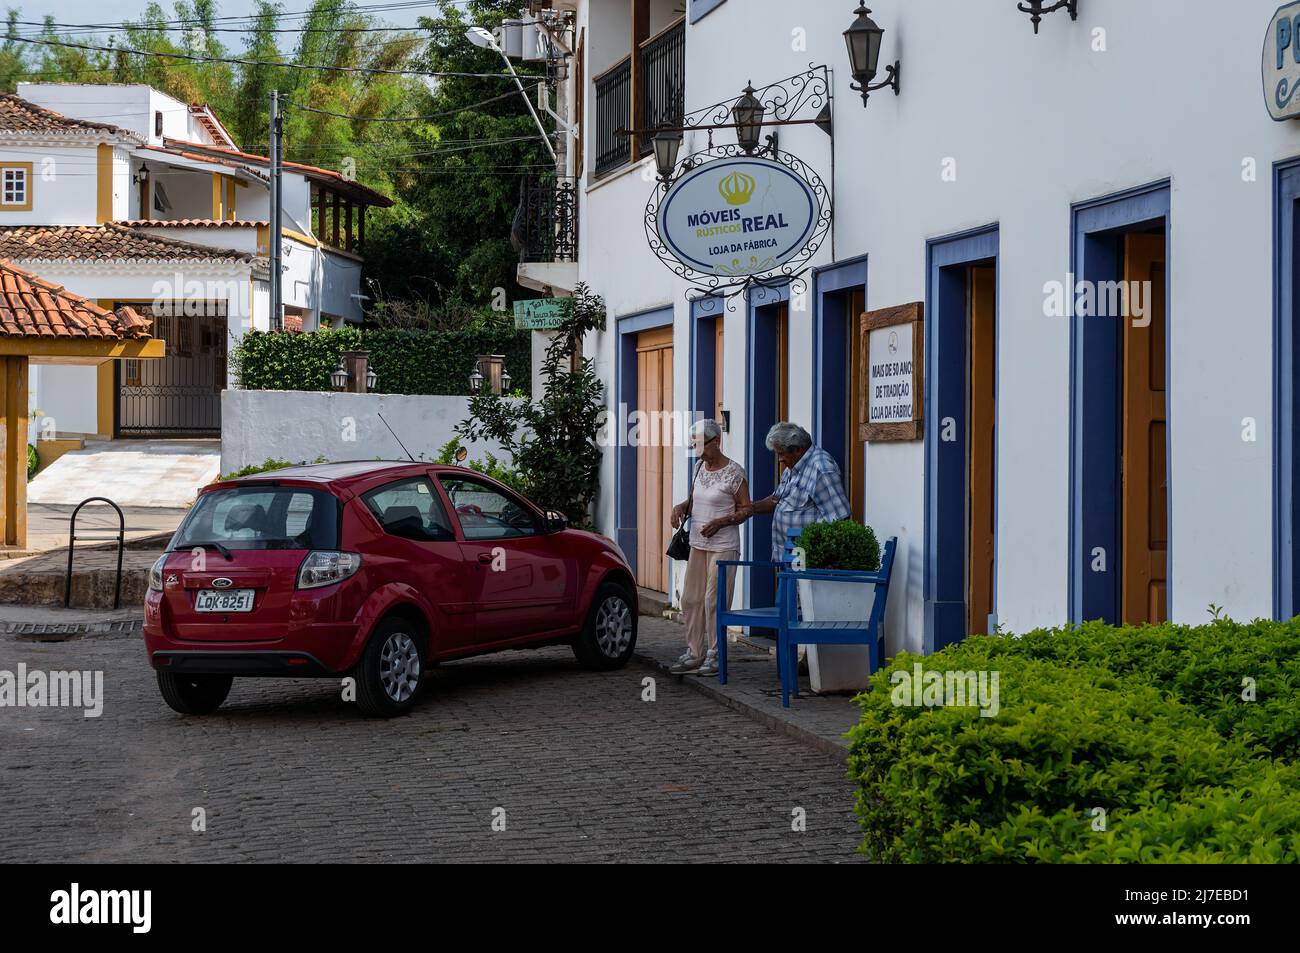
[(1035, 9), (354, 373), (863, 40), (667, 145), (748, 113), (490, 370), (339, 377)]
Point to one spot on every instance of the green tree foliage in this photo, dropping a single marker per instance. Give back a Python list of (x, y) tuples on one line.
[(456, 178), (553, 441), (461, 177)]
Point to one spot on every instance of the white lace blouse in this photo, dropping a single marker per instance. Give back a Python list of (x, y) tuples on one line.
[(715, 497)]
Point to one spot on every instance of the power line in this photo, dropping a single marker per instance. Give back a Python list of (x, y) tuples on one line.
[(353, 9), (437, 115), (240, 61)]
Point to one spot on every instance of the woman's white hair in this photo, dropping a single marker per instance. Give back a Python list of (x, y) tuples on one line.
[(707, 429), (787, 436)]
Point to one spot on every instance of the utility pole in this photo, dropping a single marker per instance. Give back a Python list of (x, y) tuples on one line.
[(277, 145)]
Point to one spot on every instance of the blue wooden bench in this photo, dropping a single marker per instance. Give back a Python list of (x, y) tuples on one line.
[(760, 617), (792, 630)]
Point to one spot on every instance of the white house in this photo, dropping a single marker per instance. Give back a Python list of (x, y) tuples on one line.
[(1073, 461), (126, 195)]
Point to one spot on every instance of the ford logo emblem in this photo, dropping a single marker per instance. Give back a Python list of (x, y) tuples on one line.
[(222, 583)]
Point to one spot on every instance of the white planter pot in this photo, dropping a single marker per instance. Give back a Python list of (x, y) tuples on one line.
[(837, 668)]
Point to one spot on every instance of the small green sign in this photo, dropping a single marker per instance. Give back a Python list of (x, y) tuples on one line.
[(540, 314)]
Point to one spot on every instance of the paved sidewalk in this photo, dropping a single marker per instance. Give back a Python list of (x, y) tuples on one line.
[(753, 689)]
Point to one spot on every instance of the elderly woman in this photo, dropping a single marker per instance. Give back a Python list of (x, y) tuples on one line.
[(717, 505)]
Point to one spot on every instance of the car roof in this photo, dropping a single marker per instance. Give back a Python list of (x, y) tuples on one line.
[(346, 472)]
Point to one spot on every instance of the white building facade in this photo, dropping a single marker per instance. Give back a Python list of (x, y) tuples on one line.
[(126, 195), (1126, 458)]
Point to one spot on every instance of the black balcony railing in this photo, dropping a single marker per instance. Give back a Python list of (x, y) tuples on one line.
[(613, 112), (662, 79), (546, 226)]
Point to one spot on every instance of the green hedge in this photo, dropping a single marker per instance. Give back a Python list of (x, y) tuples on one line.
[(1148, 724), (407, 362)]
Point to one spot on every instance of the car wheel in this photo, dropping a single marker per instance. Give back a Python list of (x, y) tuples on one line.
[(194, 694), (388, 675), (609, 636)]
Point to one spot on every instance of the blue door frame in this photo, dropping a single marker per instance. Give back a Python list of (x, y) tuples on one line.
[(1286, 399), (703, 358), (946, 399), (760, 413), (625, 388), (1096, 403), (832, 326)]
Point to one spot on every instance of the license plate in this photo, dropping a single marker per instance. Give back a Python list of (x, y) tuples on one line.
[(223, 600)]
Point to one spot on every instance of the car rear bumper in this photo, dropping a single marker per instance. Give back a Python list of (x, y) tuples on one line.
[(240, 662)]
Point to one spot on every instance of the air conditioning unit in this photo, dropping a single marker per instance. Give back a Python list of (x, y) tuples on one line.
[(512, 38), (535, 43)]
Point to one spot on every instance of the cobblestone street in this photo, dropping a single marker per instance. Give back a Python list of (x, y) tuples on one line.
[(584, 769)]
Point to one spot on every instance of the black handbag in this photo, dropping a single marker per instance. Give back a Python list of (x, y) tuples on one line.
[(679, 547)]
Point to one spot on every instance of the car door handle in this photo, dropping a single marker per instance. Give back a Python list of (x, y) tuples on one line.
[(485, 557)]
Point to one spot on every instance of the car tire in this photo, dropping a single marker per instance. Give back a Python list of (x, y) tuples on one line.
[(389, 673), (194, 694), (609, 634)]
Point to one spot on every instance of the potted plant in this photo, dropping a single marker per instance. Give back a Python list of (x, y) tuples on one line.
[(848, 545)]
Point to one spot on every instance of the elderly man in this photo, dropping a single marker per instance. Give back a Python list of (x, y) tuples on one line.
[(811, 488)]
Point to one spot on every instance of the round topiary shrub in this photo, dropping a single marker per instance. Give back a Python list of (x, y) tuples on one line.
[(843, 544)]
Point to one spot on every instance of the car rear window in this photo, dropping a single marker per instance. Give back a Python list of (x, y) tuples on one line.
[(262, 517)]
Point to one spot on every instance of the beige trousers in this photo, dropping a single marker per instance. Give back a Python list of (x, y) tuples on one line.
[(700, 598)]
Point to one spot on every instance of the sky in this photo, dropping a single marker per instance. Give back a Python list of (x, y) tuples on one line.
[(97, 11)]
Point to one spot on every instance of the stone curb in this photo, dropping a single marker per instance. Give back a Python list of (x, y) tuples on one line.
[(710, 688)]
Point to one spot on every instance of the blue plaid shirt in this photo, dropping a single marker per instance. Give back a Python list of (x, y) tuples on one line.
[(811, 492)]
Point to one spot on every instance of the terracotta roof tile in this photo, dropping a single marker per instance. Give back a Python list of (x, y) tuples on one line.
[(109, 242), (20, 115), (30, 306), (190, 223)]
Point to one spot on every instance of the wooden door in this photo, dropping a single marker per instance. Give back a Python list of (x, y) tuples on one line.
[(717, 370), (1144, 558), (781, 373), (982, 403), (654, 456)]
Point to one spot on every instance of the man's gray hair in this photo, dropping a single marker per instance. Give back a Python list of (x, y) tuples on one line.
[(707, 429), (787, 436)]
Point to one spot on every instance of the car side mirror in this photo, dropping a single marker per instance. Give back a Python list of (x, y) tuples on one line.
[(555, 522)]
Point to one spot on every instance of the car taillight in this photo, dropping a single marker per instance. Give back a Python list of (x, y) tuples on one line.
[(326, 568), (156, 573)]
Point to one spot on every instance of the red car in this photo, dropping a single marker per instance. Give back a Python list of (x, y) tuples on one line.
[(378, 571)]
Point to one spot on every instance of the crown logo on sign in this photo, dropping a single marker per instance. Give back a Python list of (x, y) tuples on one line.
[(737, 188)]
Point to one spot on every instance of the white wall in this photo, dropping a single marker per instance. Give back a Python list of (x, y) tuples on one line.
[(64, 184), (1033, 123), (129, 106), (304, 425)]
